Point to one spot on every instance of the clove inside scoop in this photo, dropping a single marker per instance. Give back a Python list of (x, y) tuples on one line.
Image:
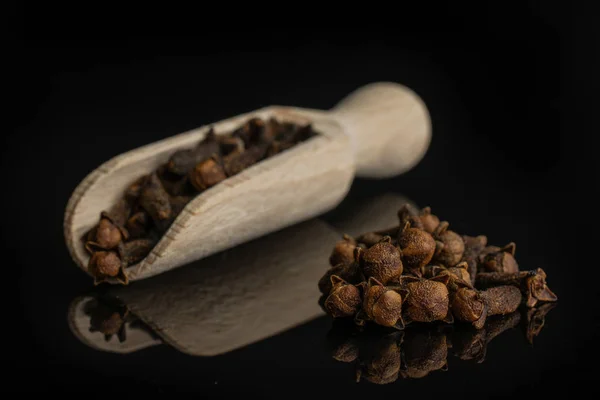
[(126, 233)]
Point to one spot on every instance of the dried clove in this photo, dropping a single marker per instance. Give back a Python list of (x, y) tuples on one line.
[(135, 251), (107, 236), (502, 260), (382, 305), (282, 143), (119, 213), (343, 300), (532, 284), (417, 247), (351, 273), (177, 186), (428, 299), (206, 174), (343, 252), (423, 220), (155, 200), (474, 246), (137, 225), (104, 264), (370, 238), (431, 270), (381, 261), (449, 246), (408, 213), (111, 230), (230, 145), (468, 305), (178, 203), (182, 161), (459, 275), (272, 130), (475, 306), (132, 192), (430, 222), (237, 162), (249, 132)]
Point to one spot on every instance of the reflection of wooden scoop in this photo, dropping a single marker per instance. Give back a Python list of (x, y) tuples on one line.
[(236, 297), (379, 131)]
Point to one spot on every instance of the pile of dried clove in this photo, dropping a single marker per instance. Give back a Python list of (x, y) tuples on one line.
[(127, 232), (423, 272)]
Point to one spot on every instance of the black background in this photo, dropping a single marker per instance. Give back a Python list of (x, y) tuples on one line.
[(507, 100)]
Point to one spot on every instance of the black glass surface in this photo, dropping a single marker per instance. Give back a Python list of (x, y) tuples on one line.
[(496, 166)]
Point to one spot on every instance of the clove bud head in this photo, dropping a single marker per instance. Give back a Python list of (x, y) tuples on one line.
[(537, 290), (428, 301), (343, 252), (450, 246), (423, 220), (344, 299), (417, 247), (348, 272), (108, 236), (104, 263), (382, 305), (381, 261), (467, 305), (460, 271), (206, 174), (501, 261)]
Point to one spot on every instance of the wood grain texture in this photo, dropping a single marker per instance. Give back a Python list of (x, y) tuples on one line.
[(381, 130)]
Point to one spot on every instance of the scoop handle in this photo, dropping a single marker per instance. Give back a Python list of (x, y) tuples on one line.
[(389, 126)]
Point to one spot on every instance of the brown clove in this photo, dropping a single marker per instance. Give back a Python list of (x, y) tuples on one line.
[(344, 299), (182, 161), (381, 261), (531, 283), (450, 246), (134, 251), (155, 200), (206, 174), (343, 252)]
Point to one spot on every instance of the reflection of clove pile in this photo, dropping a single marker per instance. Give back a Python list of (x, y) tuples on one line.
[(128, 231), (382, 357), (420, 271)]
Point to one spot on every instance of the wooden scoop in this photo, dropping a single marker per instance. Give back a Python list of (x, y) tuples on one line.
[(380, 130)]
